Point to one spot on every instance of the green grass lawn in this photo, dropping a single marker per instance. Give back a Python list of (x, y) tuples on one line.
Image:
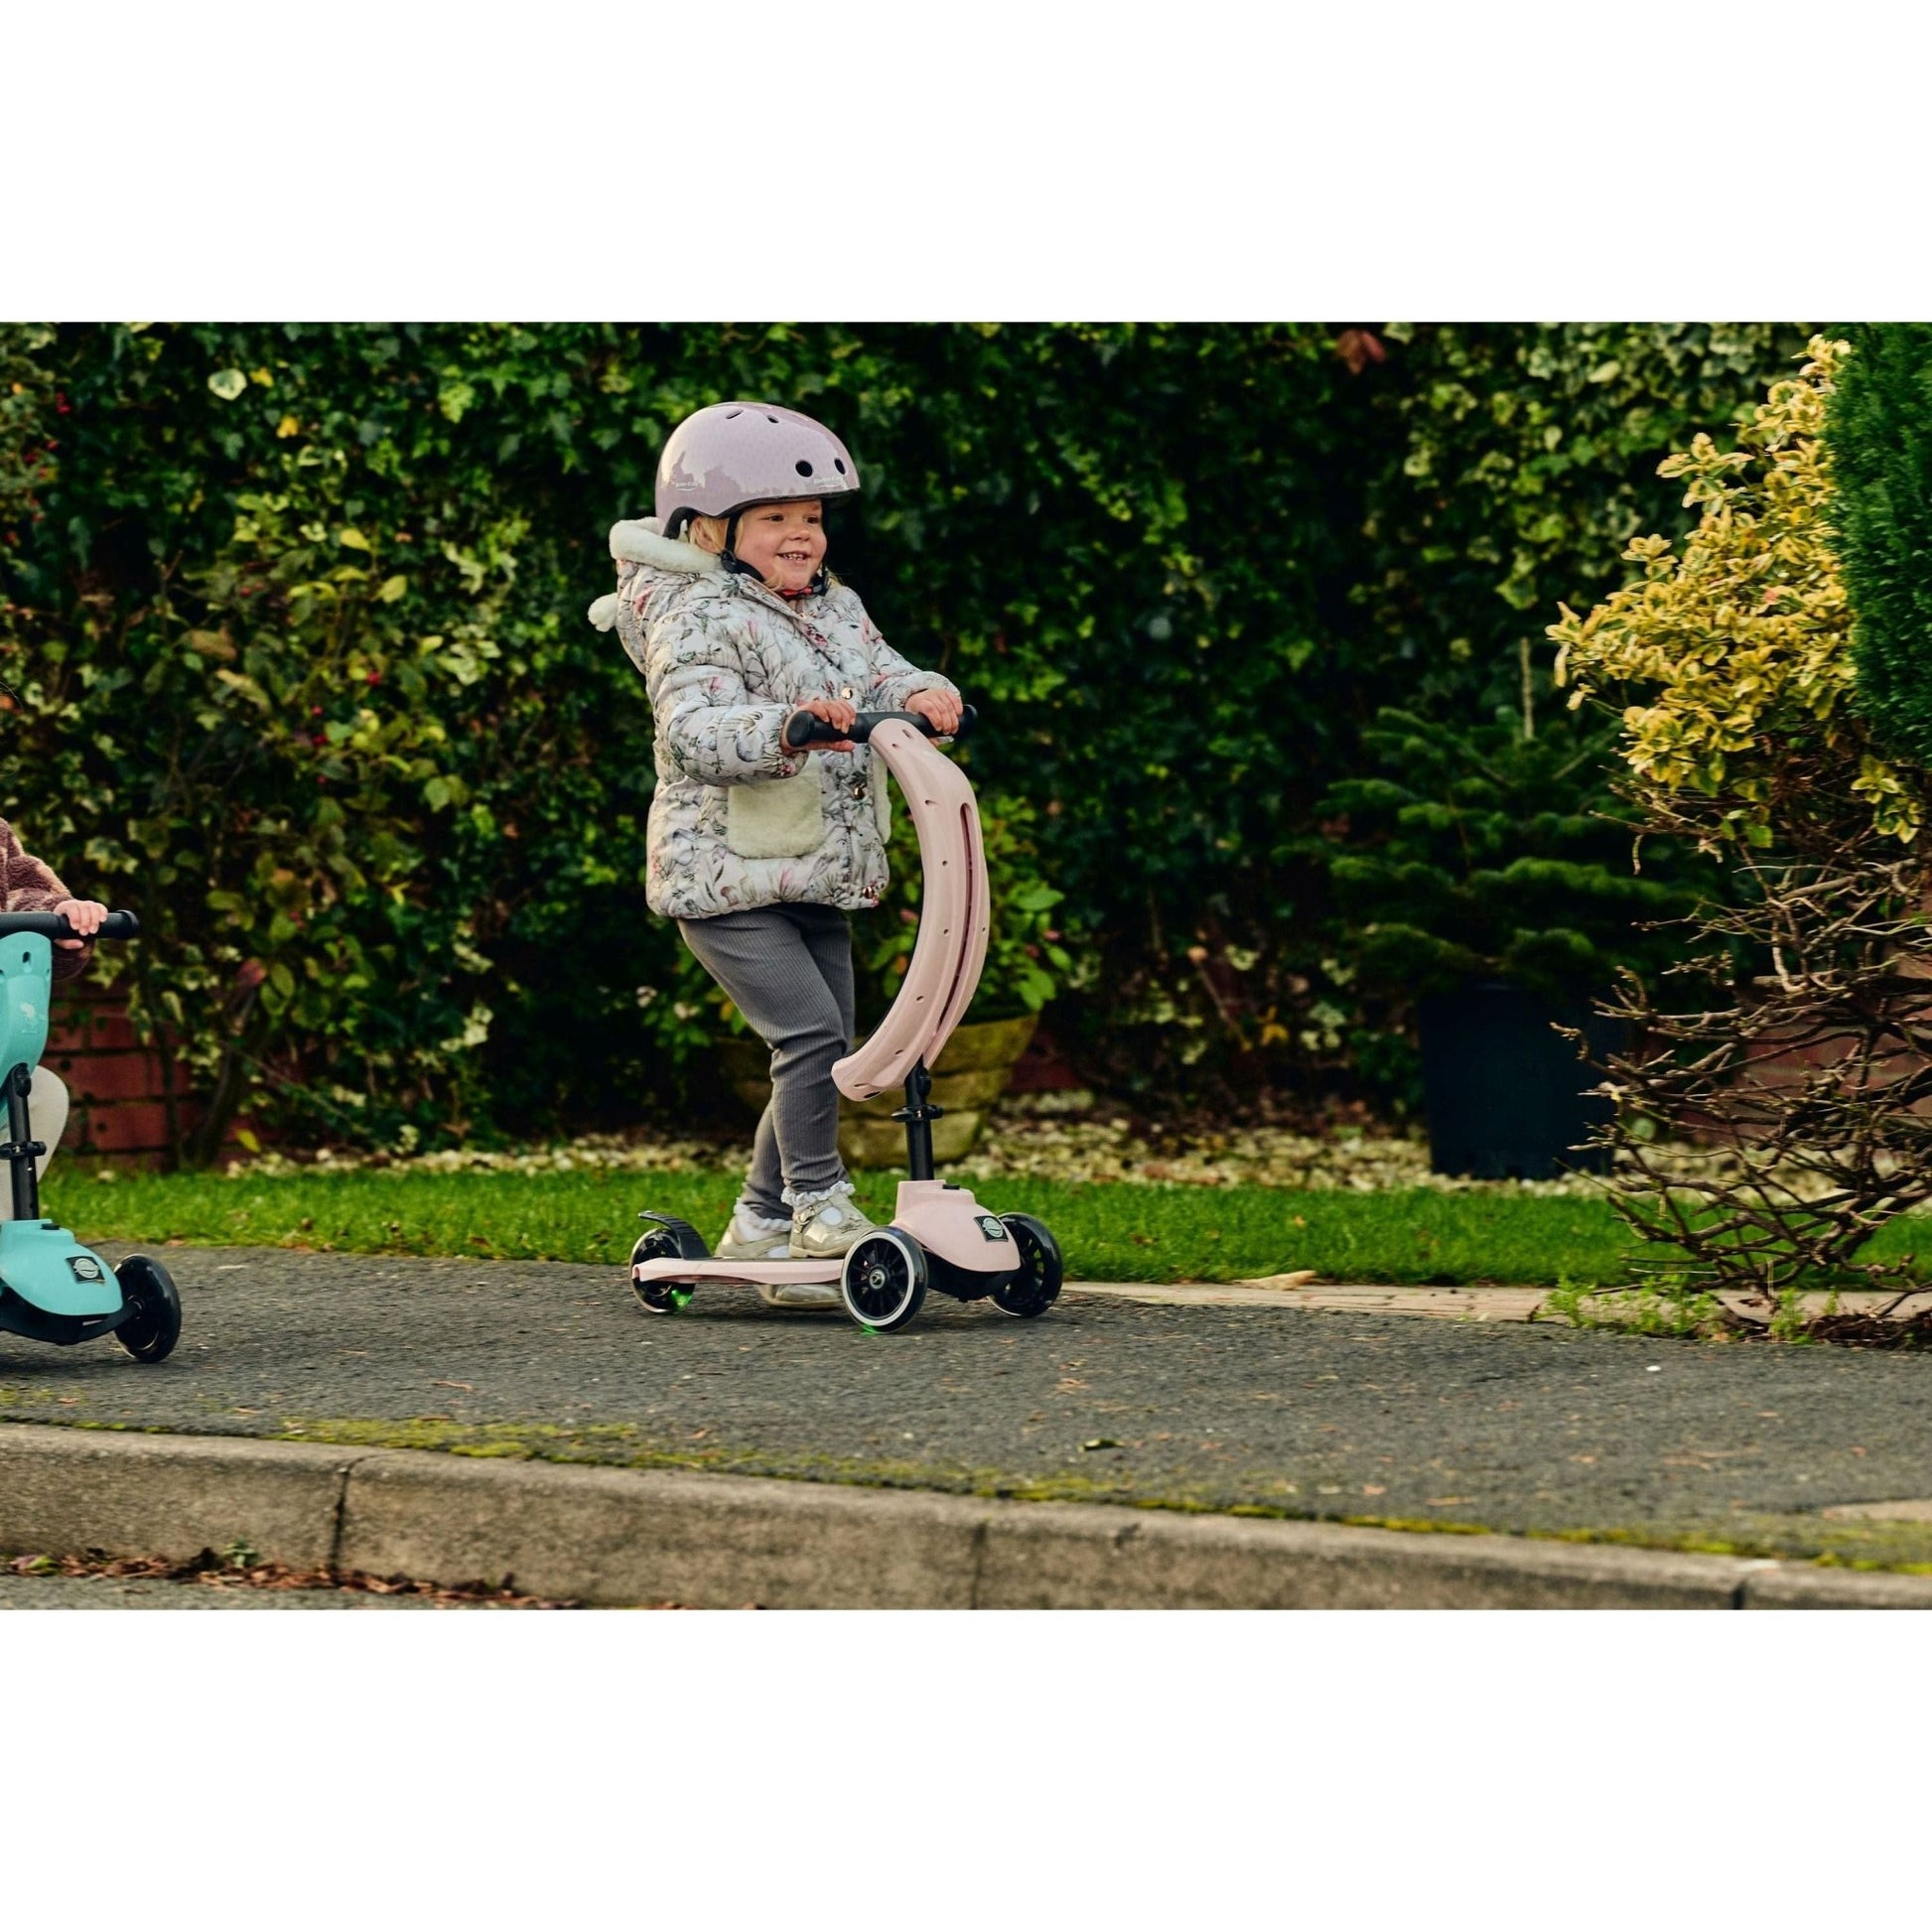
[(1109, 1231)]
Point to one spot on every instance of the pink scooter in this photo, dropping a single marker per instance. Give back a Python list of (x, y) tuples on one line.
[(940, 1236)]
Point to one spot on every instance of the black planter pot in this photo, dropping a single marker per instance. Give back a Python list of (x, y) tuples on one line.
[(1505, 1092)]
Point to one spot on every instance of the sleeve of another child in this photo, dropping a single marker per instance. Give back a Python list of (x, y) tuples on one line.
[(26, 885)]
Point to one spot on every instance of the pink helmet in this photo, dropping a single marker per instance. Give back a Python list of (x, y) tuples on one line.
[(734, 453)]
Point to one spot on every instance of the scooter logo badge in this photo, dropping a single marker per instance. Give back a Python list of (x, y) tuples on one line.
[(990, 1227), (85, 1267)]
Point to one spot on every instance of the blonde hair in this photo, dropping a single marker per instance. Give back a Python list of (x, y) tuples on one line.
[(709, 533)]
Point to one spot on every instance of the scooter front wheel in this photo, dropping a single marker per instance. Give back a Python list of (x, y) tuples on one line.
[(660, 1298), (1035, 1286), (884, 1280), (150, 1333)]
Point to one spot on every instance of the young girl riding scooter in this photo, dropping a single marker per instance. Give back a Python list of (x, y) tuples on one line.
[(756, 851)]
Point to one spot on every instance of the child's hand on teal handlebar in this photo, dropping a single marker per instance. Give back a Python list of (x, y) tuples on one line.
[(85, 916)]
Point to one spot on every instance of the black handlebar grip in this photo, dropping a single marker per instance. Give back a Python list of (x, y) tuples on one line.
[(116, 926), (802, 730)]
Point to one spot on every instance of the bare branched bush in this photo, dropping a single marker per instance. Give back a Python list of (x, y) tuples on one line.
[(1808, 1087), (1795, 1049)]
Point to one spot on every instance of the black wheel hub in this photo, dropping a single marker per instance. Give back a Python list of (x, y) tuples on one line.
[(879, 1283)]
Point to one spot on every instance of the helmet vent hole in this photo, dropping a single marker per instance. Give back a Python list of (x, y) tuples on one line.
[(732, 415), (838, 463), (771, 419), (803, 468)]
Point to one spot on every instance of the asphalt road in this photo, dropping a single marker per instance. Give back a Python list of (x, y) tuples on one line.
[(1380, 1417)]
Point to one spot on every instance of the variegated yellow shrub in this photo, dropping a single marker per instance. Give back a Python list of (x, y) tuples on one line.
[(1745, 641)]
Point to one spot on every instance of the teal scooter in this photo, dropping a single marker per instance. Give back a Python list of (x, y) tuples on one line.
[(52, 1289)]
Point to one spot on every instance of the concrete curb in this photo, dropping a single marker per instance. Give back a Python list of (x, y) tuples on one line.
[(628, 1536)]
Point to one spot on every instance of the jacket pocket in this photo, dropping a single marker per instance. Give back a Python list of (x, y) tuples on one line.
[(779, 820)]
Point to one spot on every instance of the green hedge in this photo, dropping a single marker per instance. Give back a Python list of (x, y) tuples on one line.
[(298, 616), (1519, 461), (1880, 435)]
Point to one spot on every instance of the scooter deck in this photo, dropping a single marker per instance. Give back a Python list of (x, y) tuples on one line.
[(675, 1268)]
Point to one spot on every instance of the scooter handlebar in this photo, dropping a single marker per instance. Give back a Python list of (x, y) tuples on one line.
[(802, 730), (116, 926)]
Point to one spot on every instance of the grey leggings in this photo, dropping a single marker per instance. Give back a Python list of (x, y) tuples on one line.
[(789, 971)]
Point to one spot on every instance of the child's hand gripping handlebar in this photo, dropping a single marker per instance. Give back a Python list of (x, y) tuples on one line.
[(116, 926), (802, 730)]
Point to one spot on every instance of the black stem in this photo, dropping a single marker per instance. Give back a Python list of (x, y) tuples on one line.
[(22, 1147), (918, 1114)]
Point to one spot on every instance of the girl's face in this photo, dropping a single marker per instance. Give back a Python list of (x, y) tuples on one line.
[(783, 542)]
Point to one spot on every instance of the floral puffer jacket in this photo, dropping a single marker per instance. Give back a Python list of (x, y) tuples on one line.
[(738, 821)]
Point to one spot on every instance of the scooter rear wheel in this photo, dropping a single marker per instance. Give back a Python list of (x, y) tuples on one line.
[(148, 1334), (1035, 1286), (884, 1280), (660, 1298)]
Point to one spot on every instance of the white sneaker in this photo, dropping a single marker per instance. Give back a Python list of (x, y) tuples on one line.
[(752, 1237), (827, 1226)]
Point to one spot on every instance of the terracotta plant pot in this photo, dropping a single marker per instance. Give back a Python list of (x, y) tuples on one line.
[(972, 1074)]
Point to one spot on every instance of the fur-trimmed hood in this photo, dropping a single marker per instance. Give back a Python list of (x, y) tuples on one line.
[(642, 541)]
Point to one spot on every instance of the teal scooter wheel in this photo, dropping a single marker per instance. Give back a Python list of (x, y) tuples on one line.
[(149, 1333)]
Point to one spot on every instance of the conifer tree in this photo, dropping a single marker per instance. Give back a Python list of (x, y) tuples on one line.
[(1880, 435)]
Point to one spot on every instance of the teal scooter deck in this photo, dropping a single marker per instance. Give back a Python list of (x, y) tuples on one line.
[(52, 1289)]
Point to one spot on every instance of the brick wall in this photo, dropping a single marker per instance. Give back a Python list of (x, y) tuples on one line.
[(116, 1085)]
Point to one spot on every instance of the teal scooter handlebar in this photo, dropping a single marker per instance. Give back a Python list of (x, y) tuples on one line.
[(26, 993), (27, 980), (54, 926)]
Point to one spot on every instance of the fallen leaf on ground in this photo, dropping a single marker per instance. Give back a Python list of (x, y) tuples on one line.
[(1295, 1278), (221, 1572)]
